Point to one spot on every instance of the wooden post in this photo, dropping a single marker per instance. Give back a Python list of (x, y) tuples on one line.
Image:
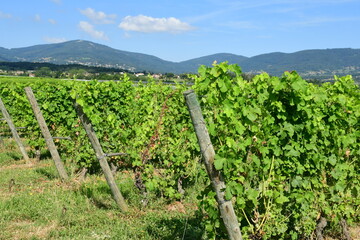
[(46, 133), (101, 156), (226, 208), (14, 131)]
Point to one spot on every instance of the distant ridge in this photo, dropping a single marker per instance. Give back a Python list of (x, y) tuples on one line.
[(193, 64), (309, 63)]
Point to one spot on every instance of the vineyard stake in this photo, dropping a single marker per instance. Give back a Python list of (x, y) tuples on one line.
[(207, 151), (14, 131), (45, 132), (101, 156)]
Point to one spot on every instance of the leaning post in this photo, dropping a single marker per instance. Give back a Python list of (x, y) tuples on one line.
[(46, 133), (13, 130), (208, 154), (101, 156)]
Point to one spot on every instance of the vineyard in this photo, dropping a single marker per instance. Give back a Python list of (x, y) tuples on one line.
[(287, 150)]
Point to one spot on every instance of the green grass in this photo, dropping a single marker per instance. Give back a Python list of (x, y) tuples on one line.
[(40, 206)]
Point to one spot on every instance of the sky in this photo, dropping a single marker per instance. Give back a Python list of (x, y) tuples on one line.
[(182, 30)]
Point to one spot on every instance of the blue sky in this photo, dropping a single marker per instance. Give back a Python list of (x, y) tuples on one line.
[(182, 30)]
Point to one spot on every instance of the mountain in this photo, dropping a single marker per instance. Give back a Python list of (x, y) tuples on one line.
[(308, 63), (321, 64), (193, 64), (3, 54), (329, 61), (87, 53)]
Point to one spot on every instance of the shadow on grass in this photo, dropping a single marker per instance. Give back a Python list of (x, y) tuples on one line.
[(45, 155), (176, 228), (14, 156), (99, 193), (47, 173), (90, 194), (99, 204)]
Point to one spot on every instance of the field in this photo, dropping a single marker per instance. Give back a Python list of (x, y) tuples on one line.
[(287, 150), (40, 206)]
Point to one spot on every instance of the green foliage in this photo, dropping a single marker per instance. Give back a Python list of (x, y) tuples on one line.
[(289, 150), (149, 122)]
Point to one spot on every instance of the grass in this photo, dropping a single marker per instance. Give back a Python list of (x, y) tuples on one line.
[(40, 206)]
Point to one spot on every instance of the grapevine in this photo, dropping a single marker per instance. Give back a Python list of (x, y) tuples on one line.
[(288, 149)]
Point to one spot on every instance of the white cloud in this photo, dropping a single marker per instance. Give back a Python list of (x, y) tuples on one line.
[(37, 18), (5, 15), (54, 40), (98, 17), (147, 24), (52, 21), (89, 29)]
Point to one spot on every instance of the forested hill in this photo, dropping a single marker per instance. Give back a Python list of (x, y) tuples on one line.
[(309, 63)]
